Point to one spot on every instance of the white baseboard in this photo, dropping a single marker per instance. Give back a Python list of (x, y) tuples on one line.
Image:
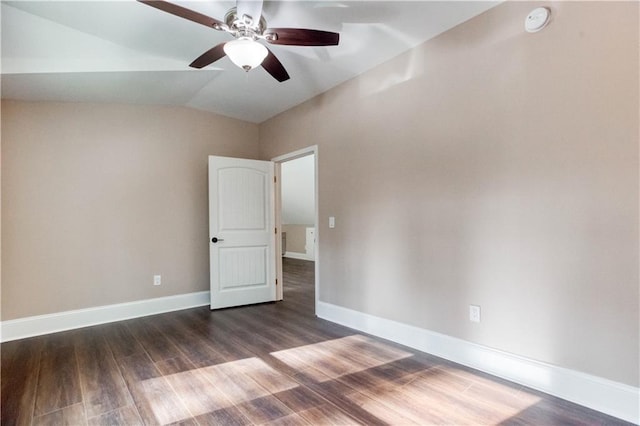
[(609, 397), (68, 320), (294, 255)]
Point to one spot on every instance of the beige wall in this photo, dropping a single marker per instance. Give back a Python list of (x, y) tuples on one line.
[(296, 237), (96, 199), (494, 167)]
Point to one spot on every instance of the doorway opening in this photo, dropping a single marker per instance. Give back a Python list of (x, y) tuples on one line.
[(297, 222)]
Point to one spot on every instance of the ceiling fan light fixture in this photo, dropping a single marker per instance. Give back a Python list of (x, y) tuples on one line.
[(246, 53)]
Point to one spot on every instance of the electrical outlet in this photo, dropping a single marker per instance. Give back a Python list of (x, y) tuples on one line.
[(157, 279), (474, 313)]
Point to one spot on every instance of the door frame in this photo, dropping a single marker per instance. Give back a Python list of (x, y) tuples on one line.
[(311, 150)]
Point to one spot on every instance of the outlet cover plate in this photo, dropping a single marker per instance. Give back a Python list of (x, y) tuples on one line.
[(474, 313)]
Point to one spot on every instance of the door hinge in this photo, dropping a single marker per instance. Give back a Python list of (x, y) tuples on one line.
[(276, 230), (276, 281), (275, 179)]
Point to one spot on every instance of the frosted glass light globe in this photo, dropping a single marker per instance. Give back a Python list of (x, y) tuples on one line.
[(245, 53)]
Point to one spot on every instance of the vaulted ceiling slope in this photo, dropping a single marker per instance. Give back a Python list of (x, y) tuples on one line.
[(128, 52)]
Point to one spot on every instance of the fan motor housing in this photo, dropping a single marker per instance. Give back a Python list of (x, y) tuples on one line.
[(244, 26)]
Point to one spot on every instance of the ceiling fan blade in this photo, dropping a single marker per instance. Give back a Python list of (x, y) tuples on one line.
[(252, 8), (274, 67), (185, 13), (301, 37), (209, 57)]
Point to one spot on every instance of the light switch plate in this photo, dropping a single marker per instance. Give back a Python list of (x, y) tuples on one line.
[(332, 222)]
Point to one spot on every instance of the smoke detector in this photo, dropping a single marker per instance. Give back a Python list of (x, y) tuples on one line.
[(537, 19)]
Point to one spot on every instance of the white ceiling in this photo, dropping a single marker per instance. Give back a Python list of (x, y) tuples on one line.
[(127, 52)]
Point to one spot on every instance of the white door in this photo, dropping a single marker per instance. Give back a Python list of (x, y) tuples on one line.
[(241, 231)]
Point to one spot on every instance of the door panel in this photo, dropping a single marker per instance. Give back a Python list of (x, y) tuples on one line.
[(242, 267), (243, 191), (241, 222)]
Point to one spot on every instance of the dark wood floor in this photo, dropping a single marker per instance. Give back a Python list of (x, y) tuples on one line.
[(266, 364)]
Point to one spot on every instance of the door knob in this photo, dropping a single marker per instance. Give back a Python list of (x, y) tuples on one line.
[(215, 239)]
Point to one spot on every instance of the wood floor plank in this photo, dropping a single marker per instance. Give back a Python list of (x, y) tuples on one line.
[(321, 358), (58, 381), (155, 400), (174, 365), (263, 410), (405, 366), (417, 406), (121, 341), (229, 416), (340, 395), (122, 416), (197, 393), (275, 334), (60, 340), (290, 325), (378, 412), (72, 415), (158, 403), (378, 352), (19, 376), (431, 407), (442, 379), (154, 342), (306, 374), (327, 415), (254, 372), (194, 346), (300, 399), (313, 408), (289, 420), (103, 387), (448, 401), (374, 378), (219, 332), (138, 367), (551, 410), (386, 377), (185, 422), (264, 375), (237, 387)]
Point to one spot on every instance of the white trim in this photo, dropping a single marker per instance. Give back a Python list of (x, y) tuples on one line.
[(295, 255), (609, 397), (313, 149), (68, 320)]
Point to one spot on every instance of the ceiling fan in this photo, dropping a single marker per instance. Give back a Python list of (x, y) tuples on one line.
[(246, 23)]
